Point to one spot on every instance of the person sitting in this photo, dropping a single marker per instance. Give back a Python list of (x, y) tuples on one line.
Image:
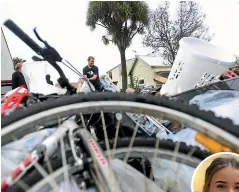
[(91, 72)]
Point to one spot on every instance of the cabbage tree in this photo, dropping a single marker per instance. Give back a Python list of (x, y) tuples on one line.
[(122, 21)]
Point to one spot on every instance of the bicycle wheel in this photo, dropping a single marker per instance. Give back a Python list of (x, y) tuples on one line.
[(189, 156), (19, 124)]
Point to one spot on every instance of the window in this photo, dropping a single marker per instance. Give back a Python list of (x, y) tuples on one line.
[(110, 74), (141, 81), (163, 74)]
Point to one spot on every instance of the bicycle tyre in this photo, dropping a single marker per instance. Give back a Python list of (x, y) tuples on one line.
[(224, 123)]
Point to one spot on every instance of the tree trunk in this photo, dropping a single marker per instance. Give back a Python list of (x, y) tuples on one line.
[(124, 70)]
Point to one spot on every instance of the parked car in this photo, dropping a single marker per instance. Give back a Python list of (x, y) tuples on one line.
[(6, 85), (228, 84)]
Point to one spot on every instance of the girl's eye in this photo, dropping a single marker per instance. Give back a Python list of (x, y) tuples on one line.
[(221, 186)]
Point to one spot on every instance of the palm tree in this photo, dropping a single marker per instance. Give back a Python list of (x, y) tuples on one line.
[(122, 21)]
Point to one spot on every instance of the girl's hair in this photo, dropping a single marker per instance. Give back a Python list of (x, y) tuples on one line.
[(216, 165)]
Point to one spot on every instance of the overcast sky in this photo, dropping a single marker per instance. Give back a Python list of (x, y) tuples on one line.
[(62, 24)]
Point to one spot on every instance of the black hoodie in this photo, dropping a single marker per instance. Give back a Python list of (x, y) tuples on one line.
[(18, 80)]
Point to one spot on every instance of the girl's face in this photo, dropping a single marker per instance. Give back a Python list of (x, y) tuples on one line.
[(225, 180)]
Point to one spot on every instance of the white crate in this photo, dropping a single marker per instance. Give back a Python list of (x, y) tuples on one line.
[(197, 63)]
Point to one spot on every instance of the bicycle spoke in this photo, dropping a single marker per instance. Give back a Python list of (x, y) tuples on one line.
[(176, 150), (22, 184), (64, 163), (112, 177), (118, 117), (50, 179), (49, 167), (47, 159), (105, 134), (131, 142), (190, 153), (83, 120), (175, 153), (155, 156)]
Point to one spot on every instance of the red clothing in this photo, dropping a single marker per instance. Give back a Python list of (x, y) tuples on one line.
[(230, 74)]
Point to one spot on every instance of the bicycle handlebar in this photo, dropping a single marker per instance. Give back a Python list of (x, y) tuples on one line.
[(48, 53), (23, 36)]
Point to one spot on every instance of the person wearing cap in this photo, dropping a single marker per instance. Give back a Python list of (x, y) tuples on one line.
[(17, 77)]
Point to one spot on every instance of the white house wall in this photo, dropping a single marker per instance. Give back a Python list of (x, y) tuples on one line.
[(144, 71), (116, 72)]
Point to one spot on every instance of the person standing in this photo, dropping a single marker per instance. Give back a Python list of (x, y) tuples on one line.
[(17, 77), (48, 79), (91, 72)]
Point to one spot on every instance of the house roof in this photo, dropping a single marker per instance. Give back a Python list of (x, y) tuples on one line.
[(154, 61), (118, 65)]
